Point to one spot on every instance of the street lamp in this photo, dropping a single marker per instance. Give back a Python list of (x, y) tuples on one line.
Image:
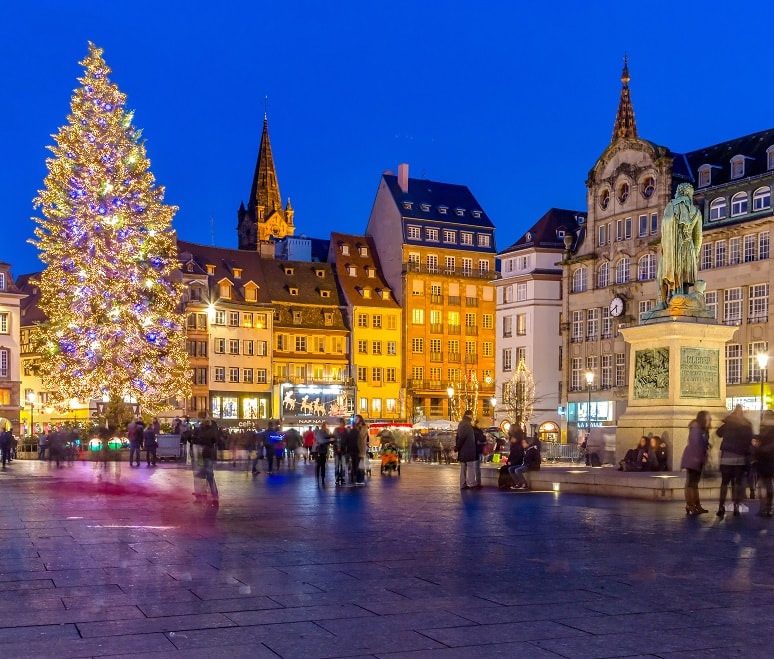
[(763, 360), (31, 400), (493, 403), (450, 394), (589, 383)]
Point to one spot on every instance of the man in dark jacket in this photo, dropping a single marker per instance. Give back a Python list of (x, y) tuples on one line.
[(207, 440), (737, 434), (466, 450), (531, 462), (516, 456)]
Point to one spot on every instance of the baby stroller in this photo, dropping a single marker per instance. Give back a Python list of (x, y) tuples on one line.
[(390, 459)]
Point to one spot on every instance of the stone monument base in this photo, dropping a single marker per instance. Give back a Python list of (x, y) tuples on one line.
[(677, 367)]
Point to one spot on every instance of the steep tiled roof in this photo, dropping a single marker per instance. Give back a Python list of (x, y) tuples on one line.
[(752, 147), (433, 196), (351, 286), (546, 233), (30, 311)]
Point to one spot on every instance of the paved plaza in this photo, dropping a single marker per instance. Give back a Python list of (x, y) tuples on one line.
[(124, 563)]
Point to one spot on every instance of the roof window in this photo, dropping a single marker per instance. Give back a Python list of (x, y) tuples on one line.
[(459, 211), (443, 210), (408, 205), (293, 290), (425, 207), (476, 214), (319, 272), (290, 270)]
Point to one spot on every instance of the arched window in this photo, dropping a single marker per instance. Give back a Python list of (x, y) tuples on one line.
[(646, 269), (705, 175), (623, 192), (622, 271), (603, 276), (604, 199), (718, 209), (579, 280), (739, 204), (737, 167), (762, 199), (648, 187)]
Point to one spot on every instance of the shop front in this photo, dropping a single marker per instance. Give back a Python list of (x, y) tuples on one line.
[(240, 410)]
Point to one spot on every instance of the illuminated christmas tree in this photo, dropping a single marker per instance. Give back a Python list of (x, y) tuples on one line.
[(113, 309)]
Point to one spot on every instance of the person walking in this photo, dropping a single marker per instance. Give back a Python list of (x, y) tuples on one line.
[(360, 464), (763, 449), (480, 450), (340, 450), (736, 433), (207, 441), (293, 441), (694, 459), (322, 440), (465, 446), (6, 442), (149, 440), (308, 444)]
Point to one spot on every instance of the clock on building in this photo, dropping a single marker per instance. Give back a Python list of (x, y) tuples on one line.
[(616, 306)]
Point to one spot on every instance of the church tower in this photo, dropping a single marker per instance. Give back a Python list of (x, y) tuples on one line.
[(264, 218)]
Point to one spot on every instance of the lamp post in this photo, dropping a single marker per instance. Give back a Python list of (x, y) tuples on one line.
[(763, 360), (493, 403), (450, 393), (31, 400), (589, 383)]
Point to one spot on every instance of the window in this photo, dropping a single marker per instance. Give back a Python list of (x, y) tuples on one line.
[(711, 301), (577, 326), (720, 253), (706, 256), (392, 322), (644, 307), (737, 167), (376, 374), (576, 368), (483, 240), (300, 344), (606, 374), (620, 369), (483, 266), (466, 238), (362, 320), (763, 245), (487, 348), (225, 290), (758, 303), (2, 281), (282, 342), (623, 192), (319, 344), (417, 345), (296, 317), (467, 267), (653, 223), (607, 323), (418, 316), (521, 324), (648, 187), (219, 374), (734, 255), (414, 233), (4, 323), (753, 368), (470, 320), (521, 292), (362, 374), (602, 235), (262, 348), (603, 276), (647, 267), (431, 235), (579, 280), (417, 373), (507, 359), (220, 346), (260, 375), (200, 376), (3, 363), (233, 318), (376, 321), (390, 374), (233, 346), (643, 226), (750, 243), (604, 199), (732, 306), (487, 321), (449, 236), (247, 375), (718, 209), (507, 327), (762, 199), (622, 271), (432, 263), (376, 347), (220, 318), (705, 175), (592, 324), (508, 294), (733, 363), (362, 347), (739, 204)]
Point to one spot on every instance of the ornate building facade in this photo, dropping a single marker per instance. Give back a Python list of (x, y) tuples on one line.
[(11, 402)]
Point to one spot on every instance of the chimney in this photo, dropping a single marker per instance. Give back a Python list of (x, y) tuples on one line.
[(403, 176)]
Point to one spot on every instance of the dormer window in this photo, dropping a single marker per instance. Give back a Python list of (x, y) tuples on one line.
[(737, 167), (328, 315), (408, 205), (351, 270), (293, 290), (224, 289), (344, 249), (770, 158), (319, 272), (251, 293), (210, 269), (363, 250), (371, 272), (443, 210), (705, 175), (237, 273), (425, 207), (296, 317), (476, 214), (560, 233), (325, 293), (365, 292), (189, 267), (289, 270), (459, 212), (385, 293)]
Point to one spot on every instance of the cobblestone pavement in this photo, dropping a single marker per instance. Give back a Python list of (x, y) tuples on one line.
[(124, 563)]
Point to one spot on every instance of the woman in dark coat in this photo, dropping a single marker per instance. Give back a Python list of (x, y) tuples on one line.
[(763, 450), (694, 458)]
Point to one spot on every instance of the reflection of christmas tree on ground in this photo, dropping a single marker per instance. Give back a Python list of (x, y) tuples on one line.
[(106, 239)]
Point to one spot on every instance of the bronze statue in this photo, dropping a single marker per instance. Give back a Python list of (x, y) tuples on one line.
[(680, 246)]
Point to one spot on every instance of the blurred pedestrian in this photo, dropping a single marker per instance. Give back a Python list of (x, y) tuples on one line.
[(466, 450), (736, 433), (151, 444), (763, 449), (693, 461), (135, 433), (322, 440), (362, 462)]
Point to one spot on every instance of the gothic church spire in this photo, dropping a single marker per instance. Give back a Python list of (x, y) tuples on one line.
[(265, 191), (625, 125)]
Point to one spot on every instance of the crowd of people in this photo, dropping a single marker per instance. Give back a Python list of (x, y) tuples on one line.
[(650, 454)]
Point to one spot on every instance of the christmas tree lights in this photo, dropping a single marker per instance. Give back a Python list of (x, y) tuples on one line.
[(109, 292)]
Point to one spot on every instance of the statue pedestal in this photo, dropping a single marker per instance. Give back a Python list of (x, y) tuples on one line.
[(677, 367)]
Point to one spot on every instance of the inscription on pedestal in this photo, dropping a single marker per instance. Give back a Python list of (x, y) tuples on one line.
[(651, 373), (699, 373)]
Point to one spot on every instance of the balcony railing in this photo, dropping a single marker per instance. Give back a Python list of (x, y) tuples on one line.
[(436, 299), (471, 301), (436, 356), (453, 329), (436, 328), (471, 359), (450, 272), (758, 319), (344, 380), (453, 357), (454, 299), (471, 330)]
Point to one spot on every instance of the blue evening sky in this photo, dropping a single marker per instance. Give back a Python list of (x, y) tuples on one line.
[(516, 100)]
